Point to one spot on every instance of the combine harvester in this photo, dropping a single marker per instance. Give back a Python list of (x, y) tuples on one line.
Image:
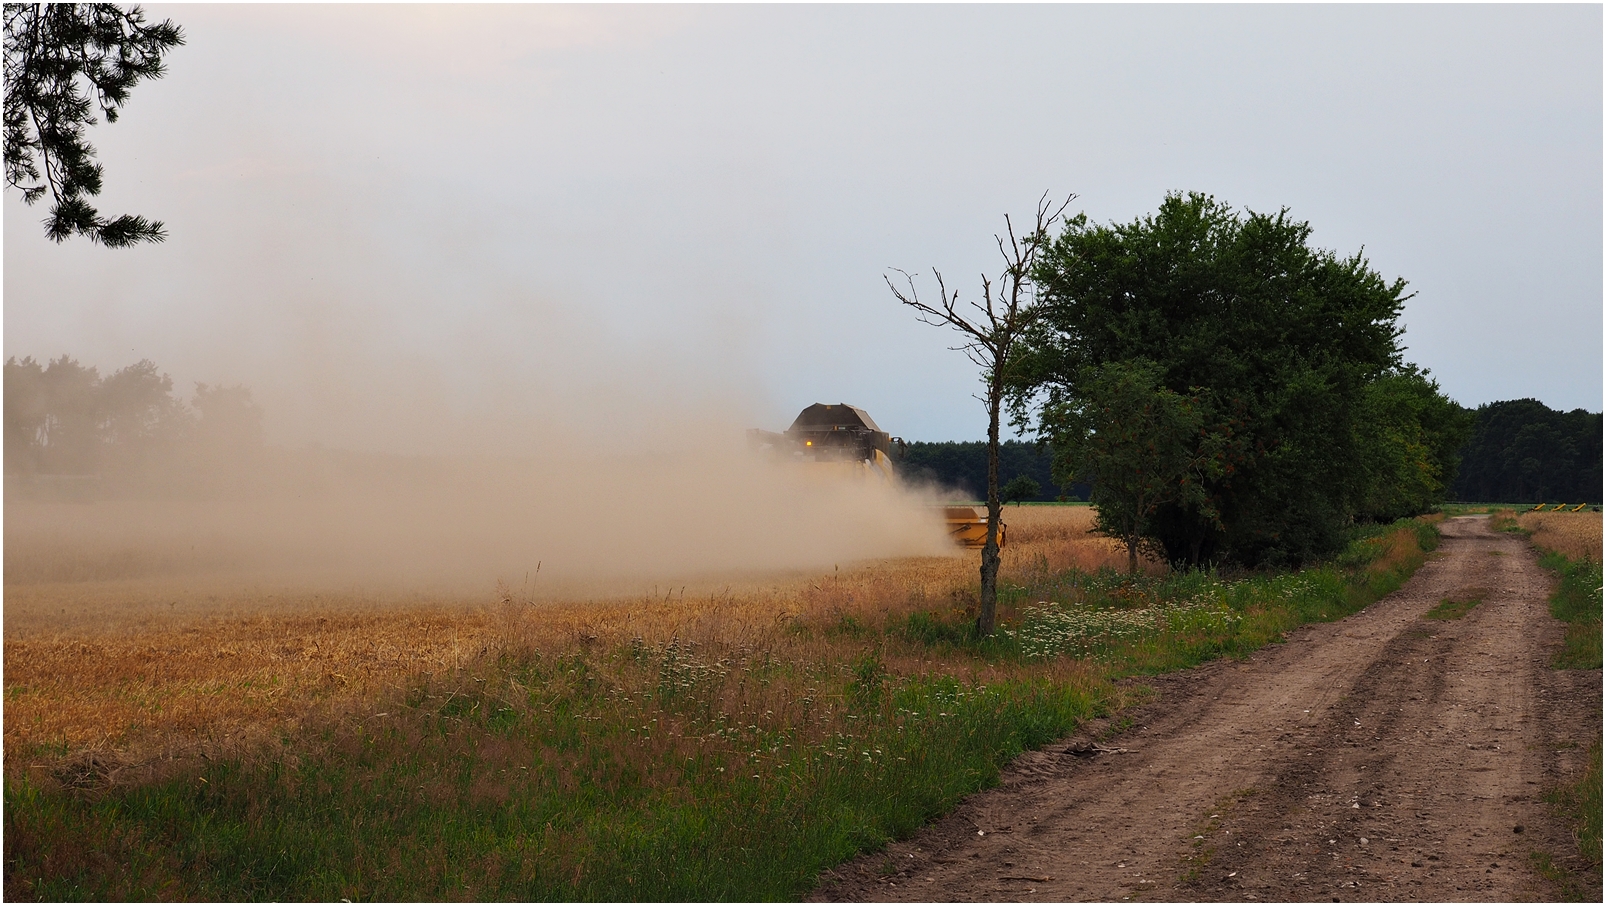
[(844, 440)]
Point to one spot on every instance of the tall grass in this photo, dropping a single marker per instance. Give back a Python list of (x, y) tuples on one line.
[(1570, 547), (706, 760), (1580, 803)]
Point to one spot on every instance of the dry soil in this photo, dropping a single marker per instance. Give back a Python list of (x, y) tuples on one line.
[(1382, 757)]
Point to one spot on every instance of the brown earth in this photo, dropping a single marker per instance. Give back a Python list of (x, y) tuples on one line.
[(1383, 757)]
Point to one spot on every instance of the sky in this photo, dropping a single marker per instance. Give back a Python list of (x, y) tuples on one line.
[(421, 228)]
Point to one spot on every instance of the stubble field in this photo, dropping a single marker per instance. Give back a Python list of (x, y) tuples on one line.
[(131, 674)]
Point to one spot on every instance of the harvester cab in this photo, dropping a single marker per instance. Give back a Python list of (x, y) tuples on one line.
[(844, 440), (840, 438)]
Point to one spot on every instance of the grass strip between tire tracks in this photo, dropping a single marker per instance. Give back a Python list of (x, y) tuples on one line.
[(687, 771)]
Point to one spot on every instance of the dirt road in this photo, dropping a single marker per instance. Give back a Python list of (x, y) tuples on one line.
[(1382, 757)]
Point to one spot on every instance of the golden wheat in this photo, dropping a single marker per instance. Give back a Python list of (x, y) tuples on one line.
[(1576, 536), (158, 669)]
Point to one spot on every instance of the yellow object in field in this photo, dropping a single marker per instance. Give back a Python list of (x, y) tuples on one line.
[(1538, 507), (1558, 507), (968, 527), (1579, 507)]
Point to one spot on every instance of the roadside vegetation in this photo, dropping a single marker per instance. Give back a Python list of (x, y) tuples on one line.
[(730, 748), (1580, 803), (1570, 546)]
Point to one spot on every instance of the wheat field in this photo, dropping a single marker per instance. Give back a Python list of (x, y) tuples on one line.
[(125, 675), (1576, 536)]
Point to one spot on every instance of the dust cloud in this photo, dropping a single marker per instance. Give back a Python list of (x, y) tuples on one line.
[(441, 522), (433, 422), (582, 509)]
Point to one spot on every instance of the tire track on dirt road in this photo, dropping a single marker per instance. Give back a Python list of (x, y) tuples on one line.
[(1381, 757)]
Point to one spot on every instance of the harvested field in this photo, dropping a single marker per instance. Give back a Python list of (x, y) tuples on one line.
[(141, 671)]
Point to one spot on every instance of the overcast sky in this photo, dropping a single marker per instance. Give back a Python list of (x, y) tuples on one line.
[(610, 213)]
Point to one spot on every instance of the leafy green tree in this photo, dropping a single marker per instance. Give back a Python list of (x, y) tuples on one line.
[(65, 419), (141, 425), (230, 424), (1141, 444), (1410, 437), (227, 447), (63, 60), (136, 404), (1019, 488), (992, 330), (1280, 339)]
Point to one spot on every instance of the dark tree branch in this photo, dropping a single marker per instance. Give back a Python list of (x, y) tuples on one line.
[(50, 52), (1006, 311)]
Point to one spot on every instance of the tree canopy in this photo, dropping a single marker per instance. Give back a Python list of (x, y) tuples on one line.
[(1410, 438), (1020, 489), (62, 61), (1142, 445), (1280, 343)]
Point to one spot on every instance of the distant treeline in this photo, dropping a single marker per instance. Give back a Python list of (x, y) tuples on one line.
[(70, 429), (962, 466), (1522, 451), (66, 425)]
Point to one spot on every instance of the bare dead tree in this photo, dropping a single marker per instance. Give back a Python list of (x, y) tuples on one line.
[(992, 328)]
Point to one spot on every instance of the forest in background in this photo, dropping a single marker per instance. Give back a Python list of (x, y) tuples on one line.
[(961, 467), (72, 432), (1523, 451)]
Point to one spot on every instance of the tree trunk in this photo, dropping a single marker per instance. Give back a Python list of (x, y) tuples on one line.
[(1135, 534), (990, 558)]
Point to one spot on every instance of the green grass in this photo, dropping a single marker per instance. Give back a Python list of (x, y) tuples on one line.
[(1580, 802), (1577, 601), (1570, 891), (471, 796), (1478, 509), (628, 774), (1454, 608)]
